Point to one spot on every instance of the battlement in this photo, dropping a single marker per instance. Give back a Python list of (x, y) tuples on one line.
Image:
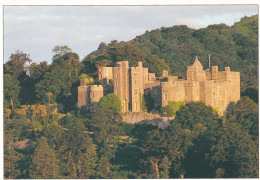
[(96, 86)]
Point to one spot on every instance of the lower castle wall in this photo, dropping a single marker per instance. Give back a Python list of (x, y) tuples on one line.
[(144, 117)]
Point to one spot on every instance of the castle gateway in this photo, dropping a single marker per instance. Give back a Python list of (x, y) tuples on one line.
[(215, 88)]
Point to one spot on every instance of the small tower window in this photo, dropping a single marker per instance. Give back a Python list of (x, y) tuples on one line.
[(165, 96), (116, 83), (93, 95), (106, 73), (135, 92)]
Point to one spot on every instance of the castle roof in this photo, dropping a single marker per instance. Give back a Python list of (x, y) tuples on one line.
[(197, 62)]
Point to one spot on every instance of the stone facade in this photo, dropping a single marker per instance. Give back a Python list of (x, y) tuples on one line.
[(214, 88)]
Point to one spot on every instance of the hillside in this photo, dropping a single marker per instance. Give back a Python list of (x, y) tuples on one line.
[(235, 46)]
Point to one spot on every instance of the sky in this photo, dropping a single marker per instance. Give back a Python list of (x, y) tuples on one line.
[(36, 30)]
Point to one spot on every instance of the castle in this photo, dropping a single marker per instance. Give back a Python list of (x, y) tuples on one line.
[(214, 88)]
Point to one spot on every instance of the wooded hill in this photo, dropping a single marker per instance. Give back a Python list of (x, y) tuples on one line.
[(235, 46)]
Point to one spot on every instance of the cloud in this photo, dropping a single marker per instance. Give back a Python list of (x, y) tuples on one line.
[(37, 29)]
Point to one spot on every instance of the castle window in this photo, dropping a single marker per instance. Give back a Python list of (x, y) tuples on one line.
[(116, 75), (106, 72), (116, 83), (165, 96), (135, 92), (93, 95)]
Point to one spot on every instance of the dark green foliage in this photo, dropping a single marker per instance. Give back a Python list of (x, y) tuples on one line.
[(127, 128), (252, 93), (196, 112), (166, 111), (104, 123), (44, 164), (246, 113), (111, 101), (78, 154), (140, 130), (235, 153), (201, 122), (11, 91), (164, 168), (61, 80), (11, 157), (156, 65)]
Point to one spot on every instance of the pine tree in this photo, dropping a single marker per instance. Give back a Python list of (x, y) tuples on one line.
[(44, 163), (165, 166), (87, 163), (11, 157)]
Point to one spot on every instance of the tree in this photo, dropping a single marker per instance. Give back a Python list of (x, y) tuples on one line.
[(53, 133), (156, 65), (245, 112), (78, 154), (15, 66), (154, 148), (165, 166), (88, 163), (235, 153), (37, 70), (111, 101), (103, 168), (11, 91), (44, 163), (252, 93), (11, 157), (196, 112), (61, 50), (105, 125), (201, 122)]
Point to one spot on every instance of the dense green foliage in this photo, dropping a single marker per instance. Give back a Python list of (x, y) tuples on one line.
[(171, 109), (111, 101), (47, 136)]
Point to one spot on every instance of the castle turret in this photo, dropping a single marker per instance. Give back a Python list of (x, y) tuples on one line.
[(196, 72), (197, 65)]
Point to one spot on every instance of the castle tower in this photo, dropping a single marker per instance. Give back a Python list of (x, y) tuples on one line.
[(196, 72), (82, 94), (138, 78), (121, 83), (95, 92)]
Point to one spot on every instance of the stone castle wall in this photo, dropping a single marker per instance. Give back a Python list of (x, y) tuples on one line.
[(214, 88)]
